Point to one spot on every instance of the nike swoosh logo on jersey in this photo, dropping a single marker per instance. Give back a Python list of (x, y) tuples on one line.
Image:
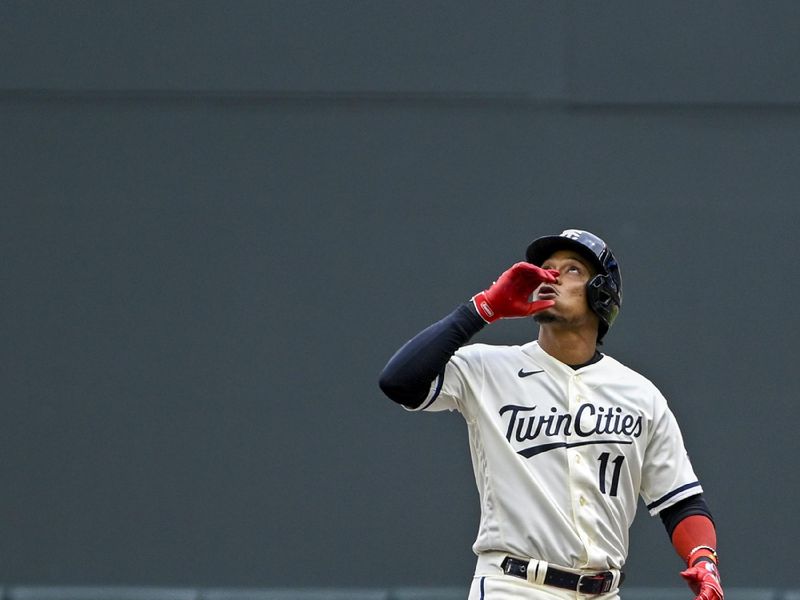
[(523, 373)]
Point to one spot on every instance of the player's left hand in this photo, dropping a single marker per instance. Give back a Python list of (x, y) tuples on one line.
[(703, 578)]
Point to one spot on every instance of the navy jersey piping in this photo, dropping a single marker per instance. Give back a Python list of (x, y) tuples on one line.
[(674, 492), (439, 382)]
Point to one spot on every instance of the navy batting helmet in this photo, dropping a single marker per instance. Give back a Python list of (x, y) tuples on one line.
[(604, 290)]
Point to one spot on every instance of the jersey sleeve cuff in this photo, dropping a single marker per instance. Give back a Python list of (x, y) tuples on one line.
[(436, 388), (676, 495)]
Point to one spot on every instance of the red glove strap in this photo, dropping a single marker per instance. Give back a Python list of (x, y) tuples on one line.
[(483, 308)]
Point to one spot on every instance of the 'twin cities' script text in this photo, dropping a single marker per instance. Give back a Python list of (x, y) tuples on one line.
[(588, 420)]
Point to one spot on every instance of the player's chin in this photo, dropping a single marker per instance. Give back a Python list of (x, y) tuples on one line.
[(546, 316)]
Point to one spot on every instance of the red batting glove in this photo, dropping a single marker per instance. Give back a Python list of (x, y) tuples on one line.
[(509, 296), (704, 580)]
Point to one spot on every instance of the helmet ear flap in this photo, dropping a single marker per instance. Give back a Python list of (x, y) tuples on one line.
[(600, 292), (604, 300)]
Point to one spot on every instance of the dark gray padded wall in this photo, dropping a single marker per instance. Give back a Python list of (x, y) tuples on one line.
[(217, 225)]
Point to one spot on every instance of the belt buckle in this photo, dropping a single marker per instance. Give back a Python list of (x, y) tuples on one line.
[(606, 583)]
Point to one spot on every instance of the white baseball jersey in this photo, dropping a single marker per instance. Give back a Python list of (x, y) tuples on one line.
[(561, 455)]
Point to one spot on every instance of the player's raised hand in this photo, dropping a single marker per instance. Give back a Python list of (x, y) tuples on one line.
[(703, 579), (509, 296)]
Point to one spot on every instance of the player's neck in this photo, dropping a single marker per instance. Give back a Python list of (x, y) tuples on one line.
[(571, 347)]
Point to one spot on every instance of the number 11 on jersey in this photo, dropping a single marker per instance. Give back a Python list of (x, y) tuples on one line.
[(603, 458)]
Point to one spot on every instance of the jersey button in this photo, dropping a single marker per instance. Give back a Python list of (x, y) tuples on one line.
[(582, 501)]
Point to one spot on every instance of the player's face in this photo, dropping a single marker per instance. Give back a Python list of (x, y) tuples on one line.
[(569, 292)]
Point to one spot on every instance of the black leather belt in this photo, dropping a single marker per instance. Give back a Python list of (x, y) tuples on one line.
[(598, 583)]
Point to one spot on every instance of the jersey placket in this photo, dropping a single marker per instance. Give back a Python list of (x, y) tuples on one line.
[(582, 478)]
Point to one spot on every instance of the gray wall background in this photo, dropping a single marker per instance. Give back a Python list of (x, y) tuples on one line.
[(219, 220)]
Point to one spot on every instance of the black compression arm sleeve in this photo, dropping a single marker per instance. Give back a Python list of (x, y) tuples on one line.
[(693, 505), (407, 376)]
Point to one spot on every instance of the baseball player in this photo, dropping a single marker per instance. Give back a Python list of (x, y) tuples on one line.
[(563, 438)]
